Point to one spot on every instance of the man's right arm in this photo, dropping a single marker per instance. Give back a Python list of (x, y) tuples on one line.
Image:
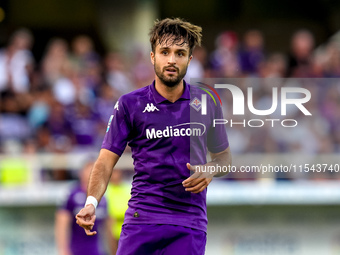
[(99, 179), (101, 173)]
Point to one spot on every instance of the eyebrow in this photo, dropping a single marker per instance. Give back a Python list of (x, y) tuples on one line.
[(164, 48), (167, 48)]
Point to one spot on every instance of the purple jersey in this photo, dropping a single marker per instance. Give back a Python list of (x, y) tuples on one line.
[(80, 243), (160, 134)]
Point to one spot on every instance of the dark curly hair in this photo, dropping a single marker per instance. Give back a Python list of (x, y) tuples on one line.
[(175, 31)]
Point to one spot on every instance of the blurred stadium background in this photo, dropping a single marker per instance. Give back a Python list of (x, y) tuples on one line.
[(63, 65)]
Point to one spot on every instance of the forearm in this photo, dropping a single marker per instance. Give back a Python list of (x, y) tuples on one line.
[(100, 176), (223, 160), (101, 173)]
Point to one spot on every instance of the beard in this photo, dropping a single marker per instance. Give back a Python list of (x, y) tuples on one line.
[(173, 80)]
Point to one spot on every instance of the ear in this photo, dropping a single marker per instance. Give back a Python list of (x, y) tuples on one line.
[(152, 56), (190, 58)]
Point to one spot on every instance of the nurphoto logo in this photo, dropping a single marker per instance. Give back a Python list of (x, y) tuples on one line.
[(240, 100)]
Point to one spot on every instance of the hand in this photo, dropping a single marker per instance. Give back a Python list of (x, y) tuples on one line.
[(85, 219), (65, 252), (197, 182)]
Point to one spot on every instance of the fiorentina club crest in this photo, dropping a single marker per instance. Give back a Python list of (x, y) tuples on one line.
[(196, 104)]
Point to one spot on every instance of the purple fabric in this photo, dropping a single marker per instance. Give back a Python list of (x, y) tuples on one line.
[(150, 239), (80, 243), (148, 123)]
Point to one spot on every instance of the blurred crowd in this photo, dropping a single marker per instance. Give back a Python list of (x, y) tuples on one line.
[(63, 102)]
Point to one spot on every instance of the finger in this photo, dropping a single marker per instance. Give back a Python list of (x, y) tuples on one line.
[(89, 233), (190, 167), (93, 219), (89, 225), (81, 222), (194, 179), (83, 219), (81, 213), (198, 176), (199, 188), (203, 182), (194, 182), (196, 187), (85, 213)]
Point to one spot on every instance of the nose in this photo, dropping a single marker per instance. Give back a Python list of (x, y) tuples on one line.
[(172, 59)]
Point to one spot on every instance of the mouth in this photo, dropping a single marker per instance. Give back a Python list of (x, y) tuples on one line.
[(171, 70)]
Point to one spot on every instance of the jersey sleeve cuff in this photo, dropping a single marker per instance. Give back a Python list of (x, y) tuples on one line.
[(219, 148), (113, 149)]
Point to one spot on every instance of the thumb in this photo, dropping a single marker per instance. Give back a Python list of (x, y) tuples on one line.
[(81, 213), (93, 218), (190, 167)]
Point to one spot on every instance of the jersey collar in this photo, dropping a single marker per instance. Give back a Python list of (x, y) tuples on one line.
[(159, 99)]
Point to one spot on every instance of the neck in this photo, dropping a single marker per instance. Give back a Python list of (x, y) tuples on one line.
[(170, 93)]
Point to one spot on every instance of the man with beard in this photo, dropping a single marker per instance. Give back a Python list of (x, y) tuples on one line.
[(161, 124)]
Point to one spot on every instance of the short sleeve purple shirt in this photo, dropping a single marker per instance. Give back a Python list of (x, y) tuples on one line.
[(160, 134), (80, 243)]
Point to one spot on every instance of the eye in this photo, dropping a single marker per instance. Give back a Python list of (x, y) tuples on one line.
[(164, 52), (181, 54)]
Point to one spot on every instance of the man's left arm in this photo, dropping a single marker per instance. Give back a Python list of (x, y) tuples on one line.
[(203, 174)]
